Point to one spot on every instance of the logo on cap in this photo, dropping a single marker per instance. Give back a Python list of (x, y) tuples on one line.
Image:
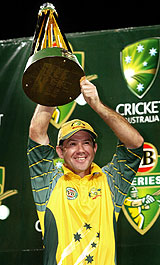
[(78, 124)]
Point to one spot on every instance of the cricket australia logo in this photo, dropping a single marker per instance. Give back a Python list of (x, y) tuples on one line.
[(140, 64), (142, 204), (94, 193)]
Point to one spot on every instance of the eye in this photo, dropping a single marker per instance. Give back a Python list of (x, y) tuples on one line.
[(87, 142), (72, 143)]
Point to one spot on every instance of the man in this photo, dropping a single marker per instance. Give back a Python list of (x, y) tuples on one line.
[(135, 205), (78, 207)]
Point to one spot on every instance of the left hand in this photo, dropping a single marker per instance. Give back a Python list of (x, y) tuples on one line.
[(89, 92)]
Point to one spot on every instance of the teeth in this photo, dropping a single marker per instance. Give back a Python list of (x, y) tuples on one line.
[(80, 158)]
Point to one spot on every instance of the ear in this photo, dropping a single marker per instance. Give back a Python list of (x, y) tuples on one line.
[(59, 151), (95, 147)]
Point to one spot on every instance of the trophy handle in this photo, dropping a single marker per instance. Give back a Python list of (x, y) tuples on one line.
[(62, 33)]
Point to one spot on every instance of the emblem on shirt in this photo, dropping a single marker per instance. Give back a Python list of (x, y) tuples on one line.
[(71, 193), (142, 204), (94, 193)]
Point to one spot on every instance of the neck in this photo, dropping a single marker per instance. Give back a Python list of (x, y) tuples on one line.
[(82, 174)]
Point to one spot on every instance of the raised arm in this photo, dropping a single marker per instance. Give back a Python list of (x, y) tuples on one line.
[(39, 124), (127, 134)]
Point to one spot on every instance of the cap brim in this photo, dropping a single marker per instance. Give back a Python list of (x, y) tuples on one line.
[(93, 134)]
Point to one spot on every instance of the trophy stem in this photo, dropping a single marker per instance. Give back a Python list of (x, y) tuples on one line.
[(48, 30), (62, 34)]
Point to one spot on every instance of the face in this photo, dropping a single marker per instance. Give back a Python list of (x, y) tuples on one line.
[(134, 195), (78, 152)]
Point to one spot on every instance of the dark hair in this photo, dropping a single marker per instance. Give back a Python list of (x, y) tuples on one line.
[(93, 141)]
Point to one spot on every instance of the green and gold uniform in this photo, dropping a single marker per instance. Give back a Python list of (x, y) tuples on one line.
[(78, 215), (135, 211)]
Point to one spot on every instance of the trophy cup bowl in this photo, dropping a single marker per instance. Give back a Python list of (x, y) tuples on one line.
[(52, 77)]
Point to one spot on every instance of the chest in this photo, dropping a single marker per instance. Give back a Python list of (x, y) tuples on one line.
[(81, 197)]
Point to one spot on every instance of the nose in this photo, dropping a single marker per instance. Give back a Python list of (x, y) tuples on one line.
[(80, 148)]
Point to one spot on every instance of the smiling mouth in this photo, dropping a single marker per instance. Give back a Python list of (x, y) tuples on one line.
[(80, 159)]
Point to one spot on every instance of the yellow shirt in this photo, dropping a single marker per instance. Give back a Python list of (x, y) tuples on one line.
[(78, 215), (83, 211)]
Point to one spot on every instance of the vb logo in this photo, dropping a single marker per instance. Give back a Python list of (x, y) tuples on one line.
[(142, 204), (149, 160)]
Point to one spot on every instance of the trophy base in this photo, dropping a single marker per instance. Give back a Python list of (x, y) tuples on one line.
[(52, 77)]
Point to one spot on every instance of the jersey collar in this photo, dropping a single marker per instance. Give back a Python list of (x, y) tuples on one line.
[(95, 172)]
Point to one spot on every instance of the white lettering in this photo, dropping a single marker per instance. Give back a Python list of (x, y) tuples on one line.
[(140, 181), (155, 106), (140, 108), (146, 108), (118, 108), (37, 226), (158, 180), (127, 109), (143, 119), (1, 115), (147, 119), (133, 108), (156, 118), (134, 181), (151, 180), (146, 181), (137, 108)]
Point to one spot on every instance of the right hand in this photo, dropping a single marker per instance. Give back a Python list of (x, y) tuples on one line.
[(149, 199), (89, 92)]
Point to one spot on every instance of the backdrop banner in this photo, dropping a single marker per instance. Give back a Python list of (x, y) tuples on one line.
[(124, 65)]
